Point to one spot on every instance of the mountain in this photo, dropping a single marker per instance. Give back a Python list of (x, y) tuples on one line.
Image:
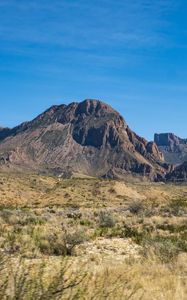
[(4, 132), (89, 138), (173, 147), (179, 174)]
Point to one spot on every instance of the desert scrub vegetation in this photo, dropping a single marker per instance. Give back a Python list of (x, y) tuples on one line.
[(106, 219), (110, 239), (34, 232), (33, 239), (23, 279), (136, 207), (83, 279)]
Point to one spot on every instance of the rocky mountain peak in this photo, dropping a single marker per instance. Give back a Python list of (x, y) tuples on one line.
[(89, 137), (93, 107)]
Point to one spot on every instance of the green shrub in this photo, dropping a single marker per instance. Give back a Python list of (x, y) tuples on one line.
[(52, 247), (138, 236), (136, 207), (73, 239), (106, 219), (85, 222), (165, 249)]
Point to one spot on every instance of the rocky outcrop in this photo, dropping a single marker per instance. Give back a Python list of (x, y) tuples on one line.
[(144, 147), (152, 149), (173, 148), (88, 137)]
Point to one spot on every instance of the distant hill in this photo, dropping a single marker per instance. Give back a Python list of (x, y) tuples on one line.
[(179, 174), (173, 147)]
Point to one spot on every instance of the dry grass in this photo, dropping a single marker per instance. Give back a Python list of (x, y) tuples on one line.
[(109, 239), (53, 278)]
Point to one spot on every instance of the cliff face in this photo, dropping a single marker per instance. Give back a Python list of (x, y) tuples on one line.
[(88, 137), (173, 148)]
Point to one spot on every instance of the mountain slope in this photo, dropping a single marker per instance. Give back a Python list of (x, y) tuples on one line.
[(173, 147), (4, 132), (179, 174), (88, 137)]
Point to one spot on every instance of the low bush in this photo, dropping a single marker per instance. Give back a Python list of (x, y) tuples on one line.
[(136, 207), (73, 239), (106, 219)]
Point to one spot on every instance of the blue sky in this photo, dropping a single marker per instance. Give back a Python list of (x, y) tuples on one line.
[(130, 54)]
